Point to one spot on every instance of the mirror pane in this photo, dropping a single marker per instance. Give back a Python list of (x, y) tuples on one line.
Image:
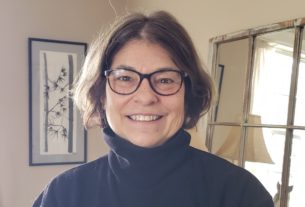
[(226, 142), (272, 67), (297, 169), (263, 159), (299, 118), (230, 77)]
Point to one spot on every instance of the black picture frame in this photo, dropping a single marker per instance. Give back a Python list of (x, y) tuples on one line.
[(218, 80), (56, 133)]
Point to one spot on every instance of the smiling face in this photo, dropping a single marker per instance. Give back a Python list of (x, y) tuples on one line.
[(144, 118)]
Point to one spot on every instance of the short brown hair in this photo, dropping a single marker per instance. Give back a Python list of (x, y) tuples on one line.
[(160, 28)]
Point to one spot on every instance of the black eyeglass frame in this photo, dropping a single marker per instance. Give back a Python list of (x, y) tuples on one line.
[(142, 76)]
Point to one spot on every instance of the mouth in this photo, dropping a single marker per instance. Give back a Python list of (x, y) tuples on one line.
[(144, 118)]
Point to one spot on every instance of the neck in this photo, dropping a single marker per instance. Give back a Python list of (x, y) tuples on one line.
[(143, 167)]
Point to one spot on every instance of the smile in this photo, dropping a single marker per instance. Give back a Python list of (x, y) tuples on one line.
[(144, 117)]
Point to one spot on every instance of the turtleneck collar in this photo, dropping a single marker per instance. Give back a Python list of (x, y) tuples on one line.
[(143, 167)]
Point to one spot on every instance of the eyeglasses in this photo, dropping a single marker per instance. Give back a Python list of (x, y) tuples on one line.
[(126, 81)]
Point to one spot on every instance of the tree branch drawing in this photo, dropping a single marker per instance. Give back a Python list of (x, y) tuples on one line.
[(58, 120)]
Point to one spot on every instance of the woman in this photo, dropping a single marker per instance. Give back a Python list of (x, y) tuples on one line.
[(145, 83)]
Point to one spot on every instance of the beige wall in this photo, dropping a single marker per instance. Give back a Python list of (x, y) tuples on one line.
[(205, 19), (73, 20), (79, 20), (208, 18)]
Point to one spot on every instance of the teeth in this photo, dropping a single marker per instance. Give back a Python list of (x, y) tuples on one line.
[(144, 118)]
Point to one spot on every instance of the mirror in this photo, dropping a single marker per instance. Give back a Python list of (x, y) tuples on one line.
[(231, 79), (272, 69), (259, 119)]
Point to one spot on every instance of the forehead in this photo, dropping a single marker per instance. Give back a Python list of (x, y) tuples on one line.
[(143, 55)]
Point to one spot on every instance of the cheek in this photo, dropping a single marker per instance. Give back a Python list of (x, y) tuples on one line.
[(110, 99), (182, 101), (113, 104), (179, 109), (111, 112), (109, 105), (182, 112)]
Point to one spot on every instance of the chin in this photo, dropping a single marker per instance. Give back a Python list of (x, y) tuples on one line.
[(146, 143)]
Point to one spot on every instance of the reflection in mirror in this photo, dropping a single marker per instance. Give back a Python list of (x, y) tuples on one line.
[(297, 179), (272, 76), (299, 118), (232, 83), (268, 169), (225, 142), (255, 149)]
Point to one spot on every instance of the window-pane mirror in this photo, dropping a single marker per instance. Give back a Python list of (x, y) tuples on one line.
[(297, 170), (265, 160), (226, 140), (231, 77), (272, 67), (259, 119)]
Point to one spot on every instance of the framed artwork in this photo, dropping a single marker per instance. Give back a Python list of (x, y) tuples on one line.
[(57, 135)]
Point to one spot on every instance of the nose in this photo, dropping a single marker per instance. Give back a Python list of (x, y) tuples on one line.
[(145, 94)]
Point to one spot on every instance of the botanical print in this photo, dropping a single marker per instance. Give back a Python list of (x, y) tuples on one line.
[(56, 105)]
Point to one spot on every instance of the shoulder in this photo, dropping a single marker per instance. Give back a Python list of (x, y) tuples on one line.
[(66, 188), (216, 167), (85, 171), (228, 181), (213, 163)]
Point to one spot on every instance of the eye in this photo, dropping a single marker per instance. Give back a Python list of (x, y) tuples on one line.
[(166, 81), (124, 78)]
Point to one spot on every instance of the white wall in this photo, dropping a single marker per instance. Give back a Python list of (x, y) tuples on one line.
[(79, 20)]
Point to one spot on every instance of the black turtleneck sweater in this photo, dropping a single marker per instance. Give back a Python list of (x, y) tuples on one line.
[(171, 175)]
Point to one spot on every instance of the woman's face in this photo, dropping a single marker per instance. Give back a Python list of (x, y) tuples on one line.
[(144, 118)]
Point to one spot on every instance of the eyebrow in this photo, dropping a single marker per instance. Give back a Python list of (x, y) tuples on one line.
[(124, 67), (132, 68)]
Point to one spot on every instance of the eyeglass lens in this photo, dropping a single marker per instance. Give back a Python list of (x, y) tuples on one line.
[(163, 82)]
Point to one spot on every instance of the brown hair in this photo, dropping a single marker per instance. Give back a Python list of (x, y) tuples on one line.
[(160, 28)]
